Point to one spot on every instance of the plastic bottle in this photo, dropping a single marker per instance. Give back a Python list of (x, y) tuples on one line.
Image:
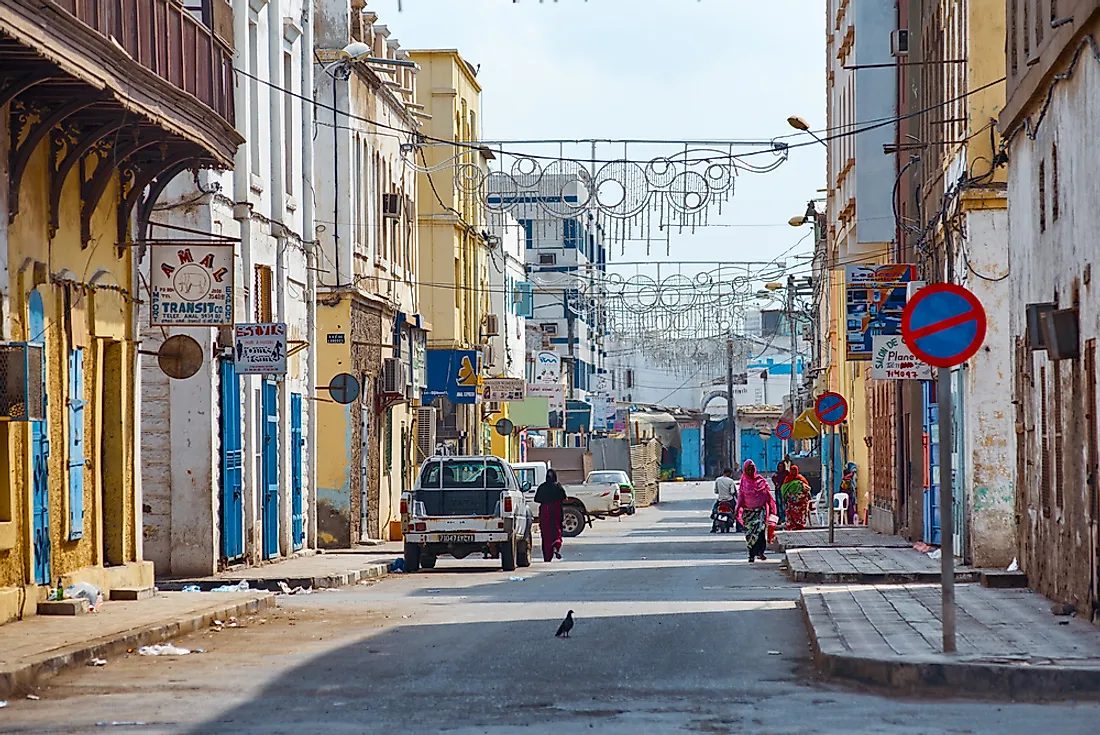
[(60, 593)]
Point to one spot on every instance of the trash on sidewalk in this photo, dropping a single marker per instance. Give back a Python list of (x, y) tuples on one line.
[(87, 591), (191, 588), (33, 697), (517, 579), (97, 662), (130, 723), (3, 704), (286, 590), (934, 554), (1014, 566), (775, 653), (163, 649), (398, 566), (241, 586)]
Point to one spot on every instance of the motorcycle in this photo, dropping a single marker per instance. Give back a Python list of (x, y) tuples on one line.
[(723, 517)]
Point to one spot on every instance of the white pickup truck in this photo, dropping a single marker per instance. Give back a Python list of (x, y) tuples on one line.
[(465, 505), (604, 493)]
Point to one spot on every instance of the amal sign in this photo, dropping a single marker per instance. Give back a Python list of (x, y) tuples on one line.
[(893, 360), (259, 349), (191, 285), (504, 390), (875, 297), (454, 374)]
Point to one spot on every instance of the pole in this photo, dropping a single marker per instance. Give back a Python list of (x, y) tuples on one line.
[(829, 479), (947, 522), (729, 402), (794, 346)]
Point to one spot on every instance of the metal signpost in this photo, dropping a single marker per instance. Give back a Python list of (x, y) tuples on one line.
[(944, 325), (831, 410)]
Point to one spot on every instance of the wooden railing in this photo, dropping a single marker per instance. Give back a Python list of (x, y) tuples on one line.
[(193, 53)]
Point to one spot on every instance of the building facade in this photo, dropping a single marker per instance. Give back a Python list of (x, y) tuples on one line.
[(227, 454), (1049, 128), (85, 96), (368, 300)]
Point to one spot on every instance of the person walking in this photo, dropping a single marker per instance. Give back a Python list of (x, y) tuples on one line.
[(550, 496), (726, 490), (778, 480), (754, 504), (796, 495)]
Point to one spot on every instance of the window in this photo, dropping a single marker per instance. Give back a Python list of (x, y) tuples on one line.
[(1044, 438), (548, 259), (1059, 473), (1042, 196), (76, 444), (1055, 207), (388, 439), (528, 233), (1012, 36), (1027, 29), (525, 300), (262, 296), (288, 122), (629, 378), (1039, 22), (254, 96), (572, 235)]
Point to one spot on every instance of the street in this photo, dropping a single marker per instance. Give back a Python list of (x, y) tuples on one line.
[(675, 632)]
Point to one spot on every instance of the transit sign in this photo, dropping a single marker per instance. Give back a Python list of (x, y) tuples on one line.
[(943, 324), (784, 430), (831, 408)]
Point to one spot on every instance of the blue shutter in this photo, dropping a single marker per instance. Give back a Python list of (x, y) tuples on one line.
[(528, 233), (76, 444), (296, 443), (526, 305), (571, 233)]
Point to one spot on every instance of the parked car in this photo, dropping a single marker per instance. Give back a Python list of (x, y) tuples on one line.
[(465, 505)]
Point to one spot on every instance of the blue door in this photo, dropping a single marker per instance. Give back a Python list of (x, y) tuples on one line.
[(297, 516), (76, 444), (40, 454), (232, 462), (690, 457), (932, 464), (752, 447), (270, 461)]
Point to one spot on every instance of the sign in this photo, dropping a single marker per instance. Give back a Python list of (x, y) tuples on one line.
[(547, 368), (453, 374), (784, 430), (191, 285), (335, 339), (894, 360), (831, 408), (343, 388), (619, 426), (554, 393), (504, 389), (259, 349), (505, 427), (944, 325), (875, 297), (603, 412)]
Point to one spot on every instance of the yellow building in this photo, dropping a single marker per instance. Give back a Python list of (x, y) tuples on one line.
[(454, 284), (90, 120)]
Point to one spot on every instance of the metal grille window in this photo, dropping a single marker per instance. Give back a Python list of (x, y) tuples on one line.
[(22, 384), (1059, 474), (389, 440), (1042, 196), (1055, 207), (1044, 457), (262, 296)]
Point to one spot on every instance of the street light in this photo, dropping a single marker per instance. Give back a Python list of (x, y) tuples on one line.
[(800, 124)]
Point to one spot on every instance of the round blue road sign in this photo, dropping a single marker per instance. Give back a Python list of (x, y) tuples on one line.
[(784, 429), (343, 388), (831, 408), (943, 324)]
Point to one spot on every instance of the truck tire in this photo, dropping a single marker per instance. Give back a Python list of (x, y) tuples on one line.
[(412, 558), (523, 549), (508, 555), (427, 561), (572, 521)]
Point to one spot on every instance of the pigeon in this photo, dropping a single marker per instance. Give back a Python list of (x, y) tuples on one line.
[(565, 627)]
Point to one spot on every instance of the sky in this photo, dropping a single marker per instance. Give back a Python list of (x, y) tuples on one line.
[(650, 69)]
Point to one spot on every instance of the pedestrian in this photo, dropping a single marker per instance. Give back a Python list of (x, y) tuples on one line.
[(754, 504), (778, 480), (550, 496), (726, 490), (848, 486), (796, 496)]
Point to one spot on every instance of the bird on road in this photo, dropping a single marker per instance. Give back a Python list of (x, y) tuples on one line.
[(565, 627)]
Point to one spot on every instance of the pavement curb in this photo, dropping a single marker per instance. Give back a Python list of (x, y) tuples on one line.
[(27, 674), (884, 578), (347, 578), (956, 679)]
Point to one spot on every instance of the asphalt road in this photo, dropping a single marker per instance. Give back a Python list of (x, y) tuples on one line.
[(675, 633)]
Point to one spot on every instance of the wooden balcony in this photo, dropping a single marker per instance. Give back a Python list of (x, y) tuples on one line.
[(169, 63)]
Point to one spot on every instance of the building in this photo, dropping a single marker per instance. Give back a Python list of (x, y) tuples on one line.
[(861, 86), (1049, 128), (227, 454), (369, 323), (455, 267), (88, 96)]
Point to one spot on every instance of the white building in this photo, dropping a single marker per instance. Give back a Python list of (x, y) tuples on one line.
[(511, 300), (227, 459)]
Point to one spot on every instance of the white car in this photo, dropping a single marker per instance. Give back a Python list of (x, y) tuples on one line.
[(604, 493)]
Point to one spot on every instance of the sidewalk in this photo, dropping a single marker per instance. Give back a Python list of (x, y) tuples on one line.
[(316, 571), (42, 645), (1009, 643), (852, 536), (868, 565)]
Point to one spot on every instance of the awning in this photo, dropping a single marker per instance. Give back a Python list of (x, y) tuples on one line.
[(806, 426)]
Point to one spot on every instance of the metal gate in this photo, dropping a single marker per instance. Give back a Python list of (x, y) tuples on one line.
[(364, 473), (232, 463), (297, 515), (270, 463), (76, 459), (958, 467), (40, 453), (931, 464)]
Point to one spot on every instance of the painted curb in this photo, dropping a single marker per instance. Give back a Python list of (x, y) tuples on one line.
[(271, 583), (956, 679), (29, 673)]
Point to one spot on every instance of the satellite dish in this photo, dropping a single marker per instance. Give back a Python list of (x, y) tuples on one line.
[(505, 427), (180, 356)]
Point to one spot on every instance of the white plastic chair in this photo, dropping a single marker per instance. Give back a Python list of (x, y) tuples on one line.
[(840, 507), (818, 517)]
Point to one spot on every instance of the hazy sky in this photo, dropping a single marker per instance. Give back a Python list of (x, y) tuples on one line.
[(652, 69)]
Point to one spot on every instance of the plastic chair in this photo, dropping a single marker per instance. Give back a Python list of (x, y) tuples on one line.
[(840, 507), (818, 517)]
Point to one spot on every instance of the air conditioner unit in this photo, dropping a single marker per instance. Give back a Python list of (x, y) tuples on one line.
[(393, 382), (549, 328), (391, 206), (492, 407), (548, 259), (1062, 334), (1036, 329), (22, 382), (425, 432), (487, 355), (492, 325), (899, 42)]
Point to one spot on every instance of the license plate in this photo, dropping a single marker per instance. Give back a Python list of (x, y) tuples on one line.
[(723, 518), (457, 538)]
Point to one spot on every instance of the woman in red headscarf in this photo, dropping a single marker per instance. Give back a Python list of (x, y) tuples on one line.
[(796, 494), (754, 504)]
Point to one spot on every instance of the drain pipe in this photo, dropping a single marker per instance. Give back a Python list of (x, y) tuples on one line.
[(309, 240)]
